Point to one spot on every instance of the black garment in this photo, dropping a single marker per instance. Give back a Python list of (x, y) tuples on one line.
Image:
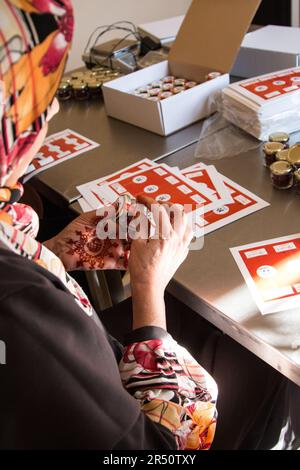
[(61, 387)]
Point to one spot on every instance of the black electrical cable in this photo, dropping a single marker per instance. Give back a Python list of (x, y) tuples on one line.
[(117, 26)]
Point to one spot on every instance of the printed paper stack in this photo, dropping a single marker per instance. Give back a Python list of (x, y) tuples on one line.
[(265, 104), (210, 199)]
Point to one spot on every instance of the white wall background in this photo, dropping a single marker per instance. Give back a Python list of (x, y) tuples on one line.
[(92, 13)]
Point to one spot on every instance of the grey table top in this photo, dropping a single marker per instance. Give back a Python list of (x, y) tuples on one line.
[(210, 282), (121, 144)]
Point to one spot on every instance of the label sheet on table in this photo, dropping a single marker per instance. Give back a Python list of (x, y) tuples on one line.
[(271, 270), (57, 148)]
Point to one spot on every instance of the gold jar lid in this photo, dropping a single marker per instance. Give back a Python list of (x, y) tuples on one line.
[(281, 168), (79, 85), (271, 148), (281, 137), (95, 84), (294, 155), (282, 155), (64, 86), (66, 79), (297, 175), (77, 75), (114, 74), (98, 69)]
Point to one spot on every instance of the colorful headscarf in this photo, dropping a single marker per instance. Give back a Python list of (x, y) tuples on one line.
[(35, 38)]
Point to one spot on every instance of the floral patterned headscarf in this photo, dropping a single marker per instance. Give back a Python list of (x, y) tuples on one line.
[(35, 37)]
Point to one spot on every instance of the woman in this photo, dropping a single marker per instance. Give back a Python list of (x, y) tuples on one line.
[(62, 387)]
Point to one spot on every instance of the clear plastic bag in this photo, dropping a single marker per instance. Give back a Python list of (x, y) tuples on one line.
[(221, 139)]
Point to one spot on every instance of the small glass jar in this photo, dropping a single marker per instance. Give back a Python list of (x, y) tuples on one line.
[(282, 155), (80, 91), (294, 156), (189, 85), (281, 137), (270, 150), (179, 82), (95, 88), (178, 89), (169, 79), (64, 91), (167, 87), (282, 175), (297, 181), (212, 76)]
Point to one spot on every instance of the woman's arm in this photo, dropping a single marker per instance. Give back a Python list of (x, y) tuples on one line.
[(173, 390)]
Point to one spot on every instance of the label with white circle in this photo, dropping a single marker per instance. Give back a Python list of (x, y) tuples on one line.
[(139, 179), (295, 79), (279, 82), (221, 210), (151, 189), (266, 272), (163, 197), (261, 88)]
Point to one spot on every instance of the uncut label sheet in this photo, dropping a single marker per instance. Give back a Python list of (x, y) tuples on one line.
[(58, 148), (271, 270)]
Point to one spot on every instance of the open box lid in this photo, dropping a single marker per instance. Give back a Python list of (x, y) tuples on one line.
[(210, 36)]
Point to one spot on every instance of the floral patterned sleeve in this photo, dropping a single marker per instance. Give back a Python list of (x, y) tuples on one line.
[(172, 388)]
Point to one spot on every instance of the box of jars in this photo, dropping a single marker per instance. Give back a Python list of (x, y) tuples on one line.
[(175, 93)]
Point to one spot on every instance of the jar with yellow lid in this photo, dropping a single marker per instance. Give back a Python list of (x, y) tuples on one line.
[(294, 156), (64, 91), (95, 88), (80, 90), (270, 150), (281, 137), (282, 175), (282, 155)]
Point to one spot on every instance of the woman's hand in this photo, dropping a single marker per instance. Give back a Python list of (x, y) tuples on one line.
[(153, 262), (79, 247)]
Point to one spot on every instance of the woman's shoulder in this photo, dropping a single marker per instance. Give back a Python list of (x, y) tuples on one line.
[(18, 273)]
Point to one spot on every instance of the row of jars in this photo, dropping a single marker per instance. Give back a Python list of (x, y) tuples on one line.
[(83, 85), (283, 161)]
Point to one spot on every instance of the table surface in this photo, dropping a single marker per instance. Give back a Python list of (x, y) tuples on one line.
[(121, 144), (209, 281)]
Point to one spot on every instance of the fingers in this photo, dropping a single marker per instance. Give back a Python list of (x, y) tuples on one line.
[(163, 226), (145, 200), (168, 217)]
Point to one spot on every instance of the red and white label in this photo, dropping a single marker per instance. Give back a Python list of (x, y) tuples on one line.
[(271, 270), (57, 149)]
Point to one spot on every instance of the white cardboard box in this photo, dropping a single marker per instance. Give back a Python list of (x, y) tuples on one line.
[(208, 41), (267, 50)]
